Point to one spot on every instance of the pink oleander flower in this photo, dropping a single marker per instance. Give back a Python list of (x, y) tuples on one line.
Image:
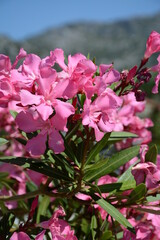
[(36, 177), (139, 127), (144, 231), (132, 123), (152, 45), (20, 236), (147, 225), (147, 172), (108, 75), (142, 152), (31, 121), (7, 85), (45, 100), (157, 79), (75, 77), (8, 125), (154, 219), (100, 114), (16, 173), (59, 228), (24, 236), (129, 101), (158, 161), (44, 94), (25, 76)]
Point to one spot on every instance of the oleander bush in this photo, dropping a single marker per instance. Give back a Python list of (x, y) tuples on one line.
[(75, 159)]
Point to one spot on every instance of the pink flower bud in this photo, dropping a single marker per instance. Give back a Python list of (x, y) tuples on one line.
[(152, 45)]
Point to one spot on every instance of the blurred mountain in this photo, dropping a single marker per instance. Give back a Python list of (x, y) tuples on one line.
[(121, 42)]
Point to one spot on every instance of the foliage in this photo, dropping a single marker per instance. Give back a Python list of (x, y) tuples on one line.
[(75, 163)]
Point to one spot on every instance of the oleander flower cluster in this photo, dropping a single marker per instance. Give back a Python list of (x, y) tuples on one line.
[(72, 134)]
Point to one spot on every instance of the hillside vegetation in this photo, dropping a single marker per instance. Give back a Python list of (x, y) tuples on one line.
[(121, 42)]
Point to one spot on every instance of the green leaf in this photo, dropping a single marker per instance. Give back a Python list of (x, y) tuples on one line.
[(73, 131), (43, 206), (85, 227), (104, 167), (122, 135), (3, 175), (148, 210), (119, 136), (69, 152), (61, 161), (106, 188), (137, 194), (151, 155), (94, 226), (3, 141), (120, 235), (111, 210), (31, 186), (80, 151), (6, 222), (127, 179), (97, 148), (88, 56), (126, 185), (106, 235), (37, 166), (13, 113), (153, 199)]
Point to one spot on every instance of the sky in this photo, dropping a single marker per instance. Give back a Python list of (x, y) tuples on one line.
[(20, 19)]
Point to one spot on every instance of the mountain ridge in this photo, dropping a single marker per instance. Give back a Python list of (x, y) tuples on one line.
[(121, 42)]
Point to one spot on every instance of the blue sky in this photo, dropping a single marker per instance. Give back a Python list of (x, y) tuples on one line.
[(20, 19)]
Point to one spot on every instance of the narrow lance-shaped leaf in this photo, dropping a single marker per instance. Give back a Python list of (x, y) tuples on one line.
[(3, 141), (97, 148), (61, 161), (104, 167), (151, 155), (118, 136), (122, 135), (42, 208), (111, 210), (148, 210), (106, 188), (127, 179), (3, 175), (107, 235), (94, 226), (72, 132), (137, 194), (153, 199), (37, 166), (69, 152)]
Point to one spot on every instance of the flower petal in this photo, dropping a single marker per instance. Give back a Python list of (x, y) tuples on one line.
[(27, 123), (56, 142), (28, 98), (59, 56), (40, 235), (37, 145), (19, 236), (44, 110), (63, 111)]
